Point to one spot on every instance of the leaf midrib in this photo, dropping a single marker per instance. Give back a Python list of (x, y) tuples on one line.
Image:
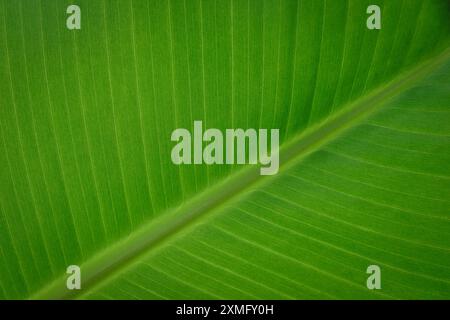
[(107, 264)]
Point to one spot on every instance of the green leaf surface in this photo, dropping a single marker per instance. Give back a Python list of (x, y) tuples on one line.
[(87, 179)]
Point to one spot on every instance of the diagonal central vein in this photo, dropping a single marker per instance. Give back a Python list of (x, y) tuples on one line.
[(119, 257)]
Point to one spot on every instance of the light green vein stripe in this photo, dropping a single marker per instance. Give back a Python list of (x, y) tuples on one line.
[(105, 265)]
